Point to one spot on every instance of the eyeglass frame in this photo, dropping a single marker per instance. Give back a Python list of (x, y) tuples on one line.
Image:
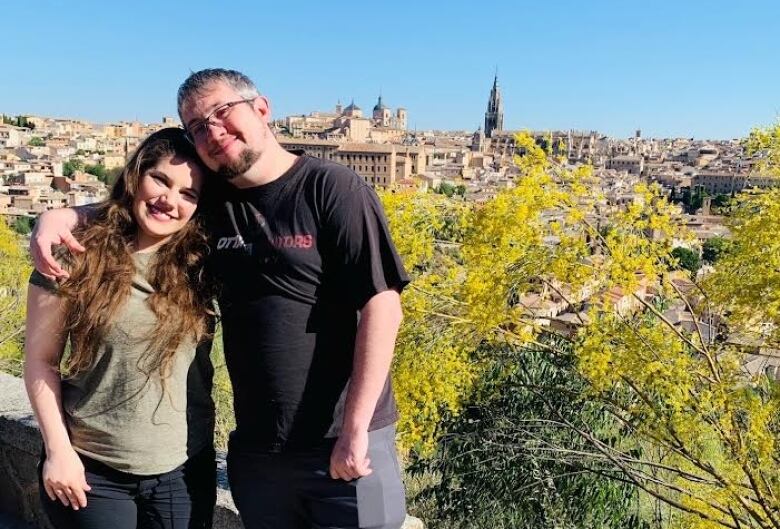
[(206, 121)]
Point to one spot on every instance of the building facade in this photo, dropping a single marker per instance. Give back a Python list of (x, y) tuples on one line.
[(381, 165)]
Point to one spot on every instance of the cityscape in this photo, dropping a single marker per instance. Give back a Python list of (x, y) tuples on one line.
[(48, 162)]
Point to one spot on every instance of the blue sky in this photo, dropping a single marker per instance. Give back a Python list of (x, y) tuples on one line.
[(685, 68)]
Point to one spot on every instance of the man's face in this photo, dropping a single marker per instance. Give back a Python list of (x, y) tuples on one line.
[(234, 138)]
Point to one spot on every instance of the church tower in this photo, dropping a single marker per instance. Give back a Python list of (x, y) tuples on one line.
[(494, 117), (381, 113), (478, 141)]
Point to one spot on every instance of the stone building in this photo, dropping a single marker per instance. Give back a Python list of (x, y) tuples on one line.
[(382, 165), (348, 124)]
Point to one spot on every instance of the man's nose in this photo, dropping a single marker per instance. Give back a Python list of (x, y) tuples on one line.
[(214, 130)]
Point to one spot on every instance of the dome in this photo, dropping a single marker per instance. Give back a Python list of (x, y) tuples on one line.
[(379, 105)]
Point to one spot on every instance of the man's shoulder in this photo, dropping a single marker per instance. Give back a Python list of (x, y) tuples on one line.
[(330, 176)]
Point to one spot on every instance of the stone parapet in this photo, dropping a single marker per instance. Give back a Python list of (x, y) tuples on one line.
[(20, 447)]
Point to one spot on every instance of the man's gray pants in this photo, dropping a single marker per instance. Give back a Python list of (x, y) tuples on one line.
[(294, 490)]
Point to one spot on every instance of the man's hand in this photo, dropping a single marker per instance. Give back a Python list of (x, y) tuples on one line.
[(349, 459), (53, 227), (64, 480)]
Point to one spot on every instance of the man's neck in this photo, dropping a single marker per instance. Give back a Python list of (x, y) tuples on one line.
[(273, 163)]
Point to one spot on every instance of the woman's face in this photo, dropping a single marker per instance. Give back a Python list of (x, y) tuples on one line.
[(166, 199)]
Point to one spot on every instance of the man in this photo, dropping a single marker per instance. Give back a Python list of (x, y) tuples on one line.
[(300, 247)]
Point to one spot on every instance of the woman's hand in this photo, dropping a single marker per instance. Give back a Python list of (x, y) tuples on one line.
[(64, 480)]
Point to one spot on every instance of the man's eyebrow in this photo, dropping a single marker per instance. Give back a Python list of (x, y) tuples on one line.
[(193, 121), (196, 120)]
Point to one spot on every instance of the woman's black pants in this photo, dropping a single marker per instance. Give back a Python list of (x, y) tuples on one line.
[(183, 498)]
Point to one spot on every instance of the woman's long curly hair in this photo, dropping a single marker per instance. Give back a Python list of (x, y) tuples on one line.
[(101, 278)]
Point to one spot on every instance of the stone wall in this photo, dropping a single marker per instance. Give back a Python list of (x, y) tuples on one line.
[(20, 446)]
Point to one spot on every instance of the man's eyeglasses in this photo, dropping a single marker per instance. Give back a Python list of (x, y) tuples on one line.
[(199, 130)]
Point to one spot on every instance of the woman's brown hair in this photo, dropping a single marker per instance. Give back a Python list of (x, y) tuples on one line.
[(101, 278)]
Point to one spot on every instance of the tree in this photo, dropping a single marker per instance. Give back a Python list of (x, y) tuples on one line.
[(747, 280), (697, 433), (505, 463), (23, 225), (764, 143), (721, 200), (696, 200), (36, 141), (18, 121), (687, 259), (72, 165), (472, 267), (446, 189), (14, 271), (713, 249), (22, 121), (685, 197), (433, 367), (98, 170)]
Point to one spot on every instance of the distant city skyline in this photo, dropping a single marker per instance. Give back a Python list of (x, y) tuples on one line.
[(694, 69)]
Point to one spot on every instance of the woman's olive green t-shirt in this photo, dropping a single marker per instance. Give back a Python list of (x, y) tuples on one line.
[(118, 415)]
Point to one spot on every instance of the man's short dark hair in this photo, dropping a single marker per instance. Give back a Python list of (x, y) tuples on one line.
[(199, 81)]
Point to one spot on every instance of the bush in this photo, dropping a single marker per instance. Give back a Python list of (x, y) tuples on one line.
[(23, 225), (98, 170), (713, 249), (71, 166), (687, 259), (509, 459)]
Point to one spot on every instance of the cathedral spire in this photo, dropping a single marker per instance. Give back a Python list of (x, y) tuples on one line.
[(494, 116)]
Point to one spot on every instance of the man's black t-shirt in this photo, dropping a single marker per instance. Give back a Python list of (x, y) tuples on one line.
[(297, 258)]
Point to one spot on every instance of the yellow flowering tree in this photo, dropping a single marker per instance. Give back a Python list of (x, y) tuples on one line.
[(476, 269), (663, 356), (764, 143), (433, 366), (14, 271)]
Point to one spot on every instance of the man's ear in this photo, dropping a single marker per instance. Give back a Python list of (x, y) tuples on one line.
[(262, 106)]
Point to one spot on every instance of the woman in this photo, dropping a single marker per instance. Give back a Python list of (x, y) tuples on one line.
[(127, 422)]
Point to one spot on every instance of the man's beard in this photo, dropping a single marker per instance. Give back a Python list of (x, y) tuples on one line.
[(245, 161)]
